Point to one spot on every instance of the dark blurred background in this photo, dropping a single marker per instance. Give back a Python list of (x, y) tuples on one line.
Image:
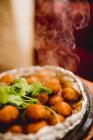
[(84, 42)]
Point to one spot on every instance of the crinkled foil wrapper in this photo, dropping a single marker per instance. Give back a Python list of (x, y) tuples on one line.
[(61, 129)]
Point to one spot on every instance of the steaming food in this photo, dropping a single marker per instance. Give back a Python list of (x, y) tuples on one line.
[(35, 112), (9, 114), (63, 108), (55, 99), (43, 98), (70, 94), (53, 84), (8, 79), (32, 79), (55, 119), (34, 127), (36, 99)]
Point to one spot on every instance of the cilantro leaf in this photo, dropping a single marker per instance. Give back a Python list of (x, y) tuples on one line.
[(17, 93)]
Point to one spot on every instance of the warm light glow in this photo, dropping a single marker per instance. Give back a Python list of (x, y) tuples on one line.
[(23, 11)]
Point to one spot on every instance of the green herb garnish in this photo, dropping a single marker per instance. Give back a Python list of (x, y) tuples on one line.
[(18, 93), (37, 88)]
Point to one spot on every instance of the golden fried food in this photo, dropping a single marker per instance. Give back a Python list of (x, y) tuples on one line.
[(63, 108), (9, 114), (56, 119), (16, 129), (53, 84), (48, 114), (55, 99), (70, 95), (43, 98), (35, 112), (32, 79), (8, 79), (34, 127), (44, 75)]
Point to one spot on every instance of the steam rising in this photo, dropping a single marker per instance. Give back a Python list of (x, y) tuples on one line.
[(55, 22)]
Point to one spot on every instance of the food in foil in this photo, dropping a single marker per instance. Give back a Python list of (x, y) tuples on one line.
[(32, 100)]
